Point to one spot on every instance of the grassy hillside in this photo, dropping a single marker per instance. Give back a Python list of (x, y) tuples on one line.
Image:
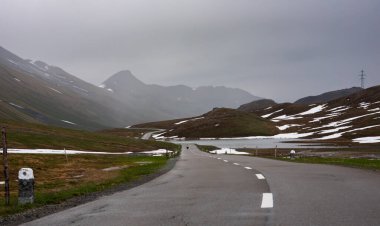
[(256, 105), (30, 135), (221, 122)]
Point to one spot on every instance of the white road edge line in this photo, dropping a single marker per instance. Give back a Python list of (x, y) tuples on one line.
[(225, 160), (219, 158), (260, 176), (267, 201), (248, 167), (236, 164)]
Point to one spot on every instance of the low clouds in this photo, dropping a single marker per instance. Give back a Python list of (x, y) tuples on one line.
[(277, 49)]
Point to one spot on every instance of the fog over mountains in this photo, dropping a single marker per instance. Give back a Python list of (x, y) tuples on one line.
[(37, 92)]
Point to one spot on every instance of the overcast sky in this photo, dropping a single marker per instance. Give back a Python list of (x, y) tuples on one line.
[(280, 49)]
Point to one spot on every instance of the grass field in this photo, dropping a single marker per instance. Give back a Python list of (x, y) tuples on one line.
[(28, 135), (373, 164), (347, 157), (57, 180), (125, 132)]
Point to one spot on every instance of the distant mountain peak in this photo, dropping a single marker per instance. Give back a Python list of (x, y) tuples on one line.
[(122, 78)]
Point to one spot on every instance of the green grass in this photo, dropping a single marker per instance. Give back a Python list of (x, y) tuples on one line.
[(207, 148), (350, 162), (55, 179)]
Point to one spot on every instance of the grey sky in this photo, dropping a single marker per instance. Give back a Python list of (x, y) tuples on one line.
[(284, 49)]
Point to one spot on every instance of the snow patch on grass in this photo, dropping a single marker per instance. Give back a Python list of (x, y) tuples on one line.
[(367, 140), (284, 127), (314, 110), (184, 121), (285, 117), (267, 115), (364, 105), (228, 151), (334, 130), (337, 135), (156, 152), (57, 91), (15, 105), (59, 152), (68, 122)]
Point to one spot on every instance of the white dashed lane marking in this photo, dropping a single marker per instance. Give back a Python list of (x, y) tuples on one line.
[(260, 176), (267, 201)]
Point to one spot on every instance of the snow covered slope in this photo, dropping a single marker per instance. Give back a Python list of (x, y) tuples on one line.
[(352, 117)]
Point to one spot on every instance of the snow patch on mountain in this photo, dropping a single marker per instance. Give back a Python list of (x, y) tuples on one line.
[(367, 140), (268, 115), (314, 110), (68, 122), (284, 127)]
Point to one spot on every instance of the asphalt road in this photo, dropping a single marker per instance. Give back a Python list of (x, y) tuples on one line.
[(147, 136), (204, 190)]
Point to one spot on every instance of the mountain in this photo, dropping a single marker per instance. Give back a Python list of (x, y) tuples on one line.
[(353, 118), (34, 91), (257, 105), (329, 96), (37, 92), (168, 102), (347, 118), (220, 122)]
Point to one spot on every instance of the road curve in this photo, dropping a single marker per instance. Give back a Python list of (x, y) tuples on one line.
[(205, 189), (199, 190), (314, 194), (147, 135)]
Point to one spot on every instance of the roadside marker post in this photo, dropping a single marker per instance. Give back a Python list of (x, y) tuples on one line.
[(292, 154), (5, 162), (67, 160), (275, 152), (25, 186)]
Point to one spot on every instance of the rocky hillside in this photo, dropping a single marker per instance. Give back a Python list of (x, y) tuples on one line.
[(348, 118)]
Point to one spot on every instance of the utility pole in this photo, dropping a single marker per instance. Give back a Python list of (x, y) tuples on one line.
[(5, 162), (362, 77)]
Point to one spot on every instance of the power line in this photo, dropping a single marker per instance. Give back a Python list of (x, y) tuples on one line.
[(362, 78)]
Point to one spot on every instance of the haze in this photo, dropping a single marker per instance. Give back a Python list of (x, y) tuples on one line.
[(281, 49)]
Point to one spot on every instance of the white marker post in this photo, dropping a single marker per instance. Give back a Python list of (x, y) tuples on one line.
[(67, 160), (25, 186), (292, 154), (275, 152)]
